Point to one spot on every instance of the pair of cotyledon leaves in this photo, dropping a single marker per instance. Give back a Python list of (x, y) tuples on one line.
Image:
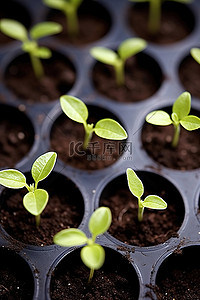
[(36, 199)]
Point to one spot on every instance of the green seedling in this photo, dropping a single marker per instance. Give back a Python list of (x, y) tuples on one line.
[(77, 111), (125, 50), (93, 254), (29, 40), (36, 199), (180, 116), (155, 7), (137, 189), (69, 8), (195, 52)]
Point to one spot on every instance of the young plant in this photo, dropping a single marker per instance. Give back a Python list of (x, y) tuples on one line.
[(36, 199), (77, 111), (155, 7), (137, 189), (69, 8), (29, 40), (93, 254), (125, 50), (180, 116), (195, 52)]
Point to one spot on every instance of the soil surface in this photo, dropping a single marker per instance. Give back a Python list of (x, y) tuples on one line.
[(179, 277), (157, 226), (189, 74), (58, 79), (17, 136), (93, 22), (16, 280), (67, 140), (177, 21), (63, 210), (115, 280), (143, 78), (157, 142), (13, 10)]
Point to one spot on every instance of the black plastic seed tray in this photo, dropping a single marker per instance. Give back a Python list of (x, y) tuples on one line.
[(145, 261)]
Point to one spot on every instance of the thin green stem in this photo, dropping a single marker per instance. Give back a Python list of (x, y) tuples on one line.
[(154, 16), (72, 21), (140, 210), (91, 275), (37, 66), (37, 220), (176, 135), (88, 135), (119, 72)]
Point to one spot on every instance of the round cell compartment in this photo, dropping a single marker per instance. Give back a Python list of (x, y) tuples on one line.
[(157, 226)]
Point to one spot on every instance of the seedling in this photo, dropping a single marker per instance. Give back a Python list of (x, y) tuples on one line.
[(195, 52), (77, 111), (125, 50), (180, 116), (155, 7), (36, 199), (29, 40), (69, 8), (137, 189), (93, 254)]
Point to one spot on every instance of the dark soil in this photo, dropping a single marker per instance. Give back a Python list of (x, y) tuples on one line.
[(13, 10), (143, 78), (179, 276), (17, 136), (177, 22), (59, 78), (189, 74), (115, 280), (67, 140), (157, 142), (16, 280), (157, 226), (64, 210), (94, 23)]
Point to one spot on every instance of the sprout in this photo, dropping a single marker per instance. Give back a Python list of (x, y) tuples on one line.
[(137, 189), (195, 52), (36, 199), (69, 8), (125, 50), (93, 254), (155, 13), (16, 30), (76, 110), (180, 116)]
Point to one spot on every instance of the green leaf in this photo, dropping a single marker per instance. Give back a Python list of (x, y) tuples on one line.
[(158, 117), (74, 108), (131, 47), (182, 105), (44, 29), (110, 129), (12, 179), (57, 4), (14, 29), (70, 237), (42, 52), (104, 55), (100, 221), (93, 256), (135, 184), (175, 118), (154, 202), (190, 122), (43, 166), (35, 202), (195, 52)]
